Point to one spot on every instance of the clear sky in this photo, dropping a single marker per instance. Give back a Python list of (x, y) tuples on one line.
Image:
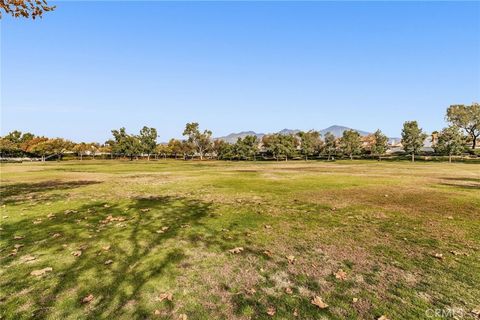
[(90, 67)]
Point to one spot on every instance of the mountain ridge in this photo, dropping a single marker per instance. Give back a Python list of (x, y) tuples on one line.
[(336, 130)]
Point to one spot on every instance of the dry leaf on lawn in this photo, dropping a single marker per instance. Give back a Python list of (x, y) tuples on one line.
[(236, 250), (41, 272), (251, 291), (291, 259), (271, 311), (340, 275), (88, 298), (77, 253), (318, 301), (166, 295)]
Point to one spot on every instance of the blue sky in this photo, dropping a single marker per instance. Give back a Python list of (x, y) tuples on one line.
[(90, 67)]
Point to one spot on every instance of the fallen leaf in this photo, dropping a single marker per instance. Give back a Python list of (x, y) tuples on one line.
[(18, 246), (340, 274), (182, 316), (236, 250), (317, 301), (28, 258), (106, 205), (476, 312), (108, 262), (18, 237), (166, 295), (56, 235), (157, 312), (145, 209), (383, 318), (88, 298), (38, 221), (450, 217), (291, 259), (438, 256), (355, 300), (41, 272), (106, 248), (268, 253), (295, 312), (271, 311), (288, 290), (267, 226), (251, 291), (77, 253)]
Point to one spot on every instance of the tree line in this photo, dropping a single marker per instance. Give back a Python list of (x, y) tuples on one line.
[(459, 137)]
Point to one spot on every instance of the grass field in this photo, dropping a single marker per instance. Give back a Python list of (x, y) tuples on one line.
[(136, 240)]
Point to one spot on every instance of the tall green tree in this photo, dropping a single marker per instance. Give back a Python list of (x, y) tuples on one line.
[(467, 118), (310, 143), (148, 140), (247, 147), (350, 143), (223, 150), (412, 138), (125, 144), (280, 145), (330, 145), (201, 141), (380, 144), (450, 141)]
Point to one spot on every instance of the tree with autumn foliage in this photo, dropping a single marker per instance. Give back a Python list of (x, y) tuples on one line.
[(25, 8)]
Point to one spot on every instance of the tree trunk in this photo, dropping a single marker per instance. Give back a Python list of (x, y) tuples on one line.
[(413, 157), (450, 158), (306, 158), (474, 142), (148, 157), (81, 156), (351, 156)]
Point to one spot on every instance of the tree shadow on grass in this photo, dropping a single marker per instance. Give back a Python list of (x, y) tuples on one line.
[(462, 183), (14, 193), (140, 250)]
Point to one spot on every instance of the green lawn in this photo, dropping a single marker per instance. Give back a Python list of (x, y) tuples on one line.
[(136, 240)]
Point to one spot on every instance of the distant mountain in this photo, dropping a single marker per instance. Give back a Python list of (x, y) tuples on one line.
[(288, 131), (337, 131), (233, 137)]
